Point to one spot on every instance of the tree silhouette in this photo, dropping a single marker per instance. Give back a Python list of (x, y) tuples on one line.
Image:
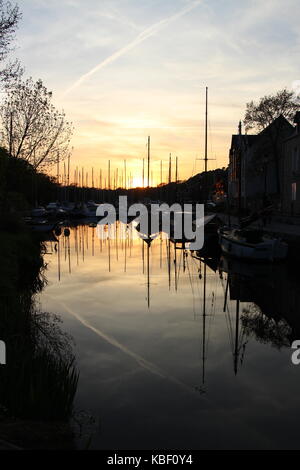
[(271, 109), (33, 129), (9, 19)]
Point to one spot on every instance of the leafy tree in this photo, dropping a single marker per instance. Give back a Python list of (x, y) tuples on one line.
[(274, 109), (33, 129), (260, 115)]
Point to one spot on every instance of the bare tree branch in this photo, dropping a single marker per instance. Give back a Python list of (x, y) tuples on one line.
[(9, 19), (260, 115), (33, 129)]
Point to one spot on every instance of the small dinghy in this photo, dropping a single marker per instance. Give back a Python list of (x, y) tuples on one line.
[(251, 245)]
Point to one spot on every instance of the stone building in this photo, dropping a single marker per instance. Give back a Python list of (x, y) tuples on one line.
[(256, 167), (291, 194)]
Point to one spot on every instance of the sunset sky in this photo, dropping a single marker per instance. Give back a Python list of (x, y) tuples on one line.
[(126, 69)]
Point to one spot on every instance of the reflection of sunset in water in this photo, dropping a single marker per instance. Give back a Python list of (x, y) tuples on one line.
[(160, 360)]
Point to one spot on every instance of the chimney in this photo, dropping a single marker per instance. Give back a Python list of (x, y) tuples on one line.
[(240, 128)]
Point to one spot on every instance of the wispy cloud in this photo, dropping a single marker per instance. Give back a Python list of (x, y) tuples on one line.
[(229, 46), (147, 33)]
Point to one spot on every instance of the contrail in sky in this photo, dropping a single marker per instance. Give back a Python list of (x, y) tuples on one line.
[(147, 33)]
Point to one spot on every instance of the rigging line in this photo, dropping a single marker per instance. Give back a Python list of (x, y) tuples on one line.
[(196, 265), (228, 315), (230, 332), (181, 257), (217, 290), (229, 325), (242, 336), (192, 288), (196, 274), (212, 316), (214, 300)]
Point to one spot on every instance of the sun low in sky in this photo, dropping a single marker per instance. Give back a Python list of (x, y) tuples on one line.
[(126, 69)]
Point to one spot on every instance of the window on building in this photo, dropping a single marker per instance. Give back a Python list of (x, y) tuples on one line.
[(294, 191)]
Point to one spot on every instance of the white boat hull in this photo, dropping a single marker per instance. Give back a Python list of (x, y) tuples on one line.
[(268, 250)]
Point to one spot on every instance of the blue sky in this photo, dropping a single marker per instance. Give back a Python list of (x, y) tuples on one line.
[(156, 86)]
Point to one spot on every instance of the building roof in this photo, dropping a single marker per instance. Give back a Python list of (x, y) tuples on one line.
[(249, 139), (279, 123)]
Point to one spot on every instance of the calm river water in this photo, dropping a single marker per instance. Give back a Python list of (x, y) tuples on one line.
[(175, 352)]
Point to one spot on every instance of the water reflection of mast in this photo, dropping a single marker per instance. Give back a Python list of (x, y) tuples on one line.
[(76, 245), (236, 346), (58, 259), (69, 254), (226, 294), (204, 325), (109, 260), (169, 261), (130, 239), (125, 257), (65, 248), (101, 242), (86, 232), (117, 240), (175, 265), (160, 251), (148, 273), (143, 256), (82, 242), (236, 343), (148, 242), (93, 242)]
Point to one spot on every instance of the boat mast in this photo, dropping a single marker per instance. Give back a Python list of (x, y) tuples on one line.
[(204, 187), (206, 115), (149, 162), (125, 175), (170, 168), (205, 148)]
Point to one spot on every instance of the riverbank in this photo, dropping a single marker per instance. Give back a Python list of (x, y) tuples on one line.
[(39, 379), (19, 434)]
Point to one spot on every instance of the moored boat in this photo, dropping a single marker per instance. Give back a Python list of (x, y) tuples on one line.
[(39, 212), (251, 245)]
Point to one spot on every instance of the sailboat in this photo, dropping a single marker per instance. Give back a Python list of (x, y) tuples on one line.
[(251, 245), (210, 221)]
